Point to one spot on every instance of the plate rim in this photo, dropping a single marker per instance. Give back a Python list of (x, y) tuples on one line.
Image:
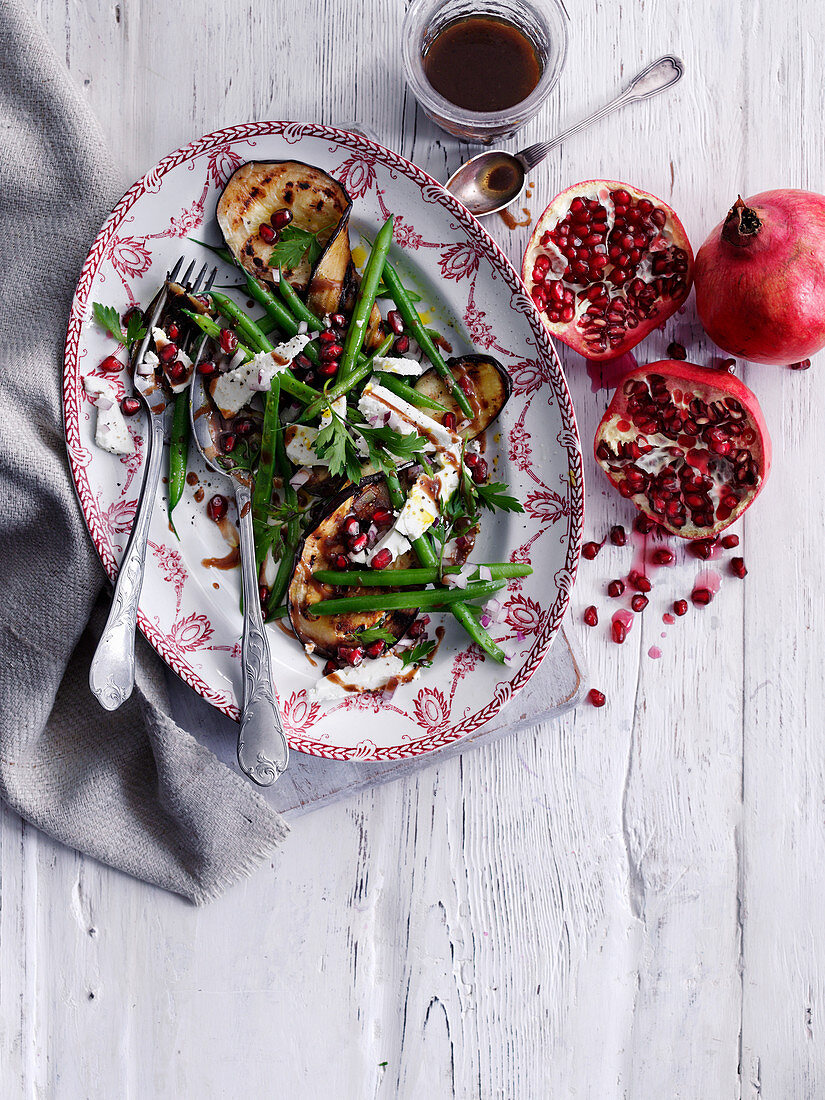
[(433, 192)]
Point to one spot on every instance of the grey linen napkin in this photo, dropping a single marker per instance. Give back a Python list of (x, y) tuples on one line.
[(131, 788)]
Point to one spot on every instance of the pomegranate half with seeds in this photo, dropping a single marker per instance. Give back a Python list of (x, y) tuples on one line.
[(606, 264), (688, 445)]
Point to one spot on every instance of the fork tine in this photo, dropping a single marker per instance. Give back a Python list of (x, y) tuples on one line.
[(188, 275), (199, 279), (173, 274), (210, 280)]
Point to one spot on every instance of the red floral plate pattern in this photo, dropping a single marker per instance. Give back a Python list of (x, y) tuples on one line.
[(189, 611)]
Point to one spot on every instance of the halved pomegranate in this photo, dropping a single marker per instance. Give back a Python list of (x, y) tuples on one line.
[(688, 445), (606, 264)]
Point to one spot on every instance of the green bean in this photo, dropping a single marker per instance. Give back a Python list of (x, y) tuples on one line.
[(366, 299), (413, 322), (428, 558), (401, 389), (280, 315), (262, 488), (293, 529), (213, 329), (400, 578), (178, 449), (296, 307), (400, 601), (383, 292), (277, 613), (344, 385)]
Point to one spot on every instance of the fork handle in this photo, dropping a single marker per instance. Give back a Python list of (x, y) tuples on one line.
[(112, 675)]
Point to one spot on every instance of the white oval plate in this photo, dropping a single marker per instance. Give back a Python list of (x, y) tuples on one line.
[(190, 612)]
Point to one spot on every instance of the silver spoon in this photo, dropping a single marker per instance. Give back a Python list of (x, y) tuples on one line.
[(263, 752), (492, 180)]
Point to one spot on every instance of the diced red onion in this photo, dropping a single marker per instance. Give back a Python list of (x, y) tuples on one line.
[(299, 479), (485, 573), (237, 359), (485, 621), (303, 327)]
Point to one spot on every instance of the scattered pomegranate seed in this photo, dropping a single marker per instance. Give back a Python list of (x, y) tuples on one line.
[(110, 364), (228, 341), (381, 517), (351, 654), (701, 596), (267, 233), (726, 364), (173, 332), (702, 548), (619, 631), (168, 352), (676, 351), (301, 362), (339, 561), (467, 387), (402, 344), (615, 589), (327, 336), (395, 321), (263, 594), (207, 368), (382, 559), (338, 320), (680, 607), (590, 550), (644, 524), (129, 406), (596, 697), (730, 541), (618, 535), (176, 372), (803, 364), (639, 602), (591, 616), (737, 567), (328, 369), (639, 581), (216, 507), (130, 313), (351, 526), (664, 557), (417, 629), (281, 218), (449, 421), (358, 543), (228, 441), (471, 459), (376, 649), (243, 425), (480, 471), (329, 352), (330, 667)]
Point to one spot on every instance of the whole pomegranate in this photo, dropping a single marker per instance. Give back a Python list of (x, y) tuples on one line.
[(606, 264), (760, 278), (688, 445)]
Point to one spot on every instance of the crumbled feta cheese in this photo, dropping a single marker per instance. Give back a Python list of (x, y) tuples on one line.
[(148, 364), (287, 351), (300, 439), (379, 406), (369, 676), (420, 510), (234, 389), (111, 433), (339, 407), (392, 364), (393, 541)]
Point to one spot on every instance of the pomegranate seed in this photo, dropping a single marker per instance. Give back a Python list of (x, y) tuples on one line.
[(591, 616), (701, 596), (228, 443), (330, 667), (680, 607), (352, 527), (301, 362), (263, 594), (267, 233), (803, 364), (351, 654), (168, 352), (110, 364), (228, 341), (216, 507), (173, 332), (376, 649), (467, 386), (381, 517), (590, 550), (471, 459), (737, 567), (207, 368), (130, 313), (395, 321), (129, 406), (596, 697), (176, 372), (338, 320), (664, 557), (676, 351), (382, 559), (480, 471), (281, 218), (618, 536), (358, 543), (449, 421), (644, 524), (619, 631), (639, 581), (639, 602), (327, 336), (730, 541), (615, 588), (339, 561), (402, 344), (243, 426), (328, 369), (702, 548), (329, 352)]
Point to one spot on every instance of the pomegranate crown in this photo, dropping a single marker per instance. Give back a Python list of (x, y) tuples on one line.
[(741, 225)]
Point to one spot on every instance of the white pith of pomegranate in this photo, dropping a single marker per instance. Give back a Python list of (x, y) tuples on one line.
[(606, 264), (688, 445)]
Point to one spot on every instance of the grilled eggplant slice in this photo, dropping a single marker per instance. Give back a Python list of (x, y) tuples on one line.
[(485, 381), (318, 204), (319, 548)]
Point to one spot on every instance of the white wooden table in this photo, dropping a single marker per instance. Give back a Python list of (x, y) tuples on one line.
[(628, 903)]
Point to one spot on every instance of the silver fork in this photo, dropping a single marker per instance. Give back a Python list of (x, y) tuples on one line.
[(112, 675)]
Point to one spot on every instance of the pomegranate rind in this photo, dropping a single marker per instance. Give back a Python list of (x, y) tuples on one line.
[(687, 379), (569, 331), (765, 300)]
